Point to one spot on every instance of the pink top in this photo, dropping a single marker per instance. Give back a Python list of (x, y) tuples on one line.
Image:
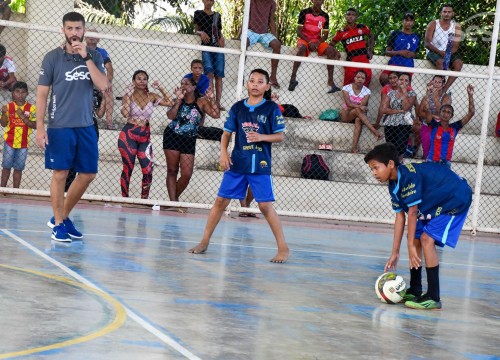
[(142, 114), (355, 98)]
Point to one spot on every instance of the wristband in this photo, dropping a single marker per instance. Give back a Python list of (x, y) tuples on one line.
[(88, 57)]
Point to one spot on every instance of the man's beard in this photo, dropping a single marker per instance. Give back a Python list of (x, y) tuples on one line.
[(73, 38)]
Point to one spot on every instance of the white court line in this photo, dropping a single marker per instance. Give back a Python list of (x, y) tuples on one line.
[(322, 252), (160, 335)]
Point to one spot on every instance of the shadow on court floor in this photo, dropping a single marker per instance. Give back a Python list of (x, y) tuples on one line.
[(131, 290)]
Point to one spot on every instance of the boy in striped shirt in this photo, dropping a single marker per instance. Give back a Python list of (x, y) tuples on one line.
[(18, 117)]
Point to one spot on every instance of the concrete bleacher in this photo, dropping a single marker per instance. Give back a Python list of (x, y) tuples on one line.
[(349, 174)]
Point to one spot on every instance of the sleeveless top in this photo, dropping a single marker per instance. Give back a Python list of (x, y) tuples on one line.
[(142, 114), (440, 37), (188, 119)]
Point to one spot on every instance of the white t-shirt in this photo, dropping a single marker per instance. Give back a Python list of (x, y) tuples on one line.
[(7, 67), (355, 98)]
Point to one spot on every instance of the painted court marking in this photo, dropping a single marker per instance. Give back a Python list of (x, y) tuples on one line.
[(118, 321), (143, 323), (294, 250)]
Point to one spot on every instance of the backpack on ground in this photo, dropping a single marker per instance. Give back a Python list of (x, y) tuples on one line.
[(314, 167)]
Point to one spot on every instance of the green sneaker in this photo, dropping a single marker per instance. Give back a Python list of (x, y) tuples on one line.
[(424, 302), (408, 297)]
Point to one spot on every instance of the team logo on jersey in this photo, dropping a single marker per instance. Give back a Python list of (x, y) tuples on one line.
[(249, 127), (410, 168), (42, 72), (78, 73), (262, 119), (360, 31), (280, 120), (354, 39), (263, 164)]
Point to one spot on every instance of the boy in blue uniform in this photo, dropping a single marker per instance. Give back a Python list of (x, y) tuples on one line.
[(257, 123), (437, 201)]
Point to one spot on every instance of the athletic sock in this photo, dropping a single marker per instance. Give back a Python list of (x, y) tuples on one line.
[(416, 281), (433, 282)]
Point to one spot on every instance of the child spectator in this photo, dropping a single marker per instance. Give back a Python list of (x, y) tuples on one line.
[(7, 70), (19, 118), (262, 29), (437, 202), (208, 26), (393, 84), (257, 123), (108, 65), (202, 80), (436, 43), (313, 33), (355, 107), (402, 47), (353, 38), (433, 100), (444, 133)]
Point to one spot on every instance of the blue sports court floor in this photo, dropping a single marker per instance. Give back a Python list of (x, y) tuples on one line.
[(157, 301)]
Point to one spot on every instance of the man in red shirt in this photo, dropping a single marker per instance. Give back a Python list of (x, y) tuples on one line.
[(353, 38), (313, 32)]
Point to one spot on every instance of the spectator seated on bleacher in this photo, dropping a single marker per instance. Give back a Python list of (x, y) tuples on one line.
[(7, 70)]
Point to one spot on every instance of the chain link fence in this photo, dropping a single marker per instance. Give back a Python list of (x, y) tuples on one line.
[(161, 38)]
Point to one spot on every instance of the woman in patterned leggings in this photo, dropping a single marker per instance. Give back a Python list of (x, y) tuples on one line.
[(134, 140)]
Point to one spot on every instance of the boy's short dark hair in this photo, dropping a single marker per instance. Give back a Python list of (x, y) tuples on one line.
[(3, 51), (196, 61), (73, 16), (351, 9), (446, 5), (383, 153), (20, 85), (261, 71)]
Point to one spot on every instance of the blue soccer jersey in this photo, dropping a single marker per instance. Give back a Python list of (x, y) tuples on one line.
[(263, 118), (433, 187), (398, 40)]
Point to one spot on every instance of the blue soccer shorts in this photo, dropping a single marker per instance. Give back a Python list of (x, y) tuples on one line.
[(235, 185), (444, 229), (72, 148)]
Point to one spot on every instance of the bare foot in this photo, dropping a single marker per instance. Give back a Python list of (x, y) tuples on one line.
[(379, 135), (281, 257), (354, 150), (274, 83), (198, 249)]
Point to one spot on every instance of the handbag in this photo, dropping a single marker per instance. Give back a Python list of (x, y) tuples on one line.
[(330, 115)]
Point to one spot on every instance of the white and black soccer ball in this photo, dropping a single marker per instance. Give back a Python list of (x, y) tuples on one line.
[(390, 288)]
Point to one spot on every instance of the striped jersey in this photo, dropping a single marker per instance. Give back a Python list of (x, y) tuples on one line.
[(442, 140), (354, 41), (17, 132)]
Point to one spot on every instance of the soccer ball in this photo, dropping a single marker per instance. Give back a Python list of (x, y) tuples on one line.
[(390, 288)]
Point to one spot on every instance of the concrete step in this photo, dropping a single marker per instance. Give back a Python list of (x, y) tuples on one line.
[(343, 199)]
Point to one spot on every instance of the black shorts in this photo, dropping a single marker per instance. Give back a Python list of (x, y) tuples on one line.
[(183, 144)]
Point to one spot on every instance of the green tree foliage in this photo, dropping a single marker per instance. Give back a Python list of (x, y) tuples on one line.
[(18, 6), (381, 16)]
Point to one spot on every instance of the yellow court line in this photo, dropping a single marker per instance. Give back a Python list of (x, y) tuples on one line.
[(118, 321)]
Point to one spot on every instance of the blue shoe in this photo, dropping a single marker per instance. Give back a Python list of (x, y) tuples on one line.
[(59, 233), (52, 222), (70, 227)]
